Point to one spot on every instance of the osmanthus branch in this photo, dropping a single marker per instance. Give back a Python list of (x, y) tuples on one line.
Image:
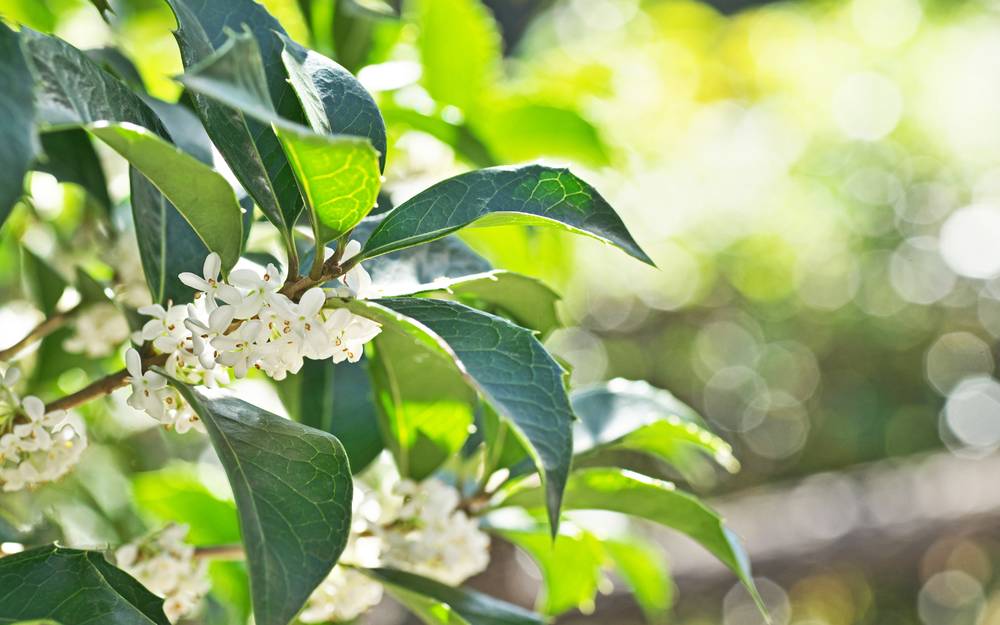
[(102, 387), (40, 331), (221, 552)]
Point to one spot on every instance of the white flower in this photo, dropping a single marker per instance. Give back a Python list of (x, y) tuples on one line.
[(202, 333), (99, 330), (262, 290), (209, 285), (306, 326), (164, 564), (343, 595), (9, 379), (147, 388), (243, 352)]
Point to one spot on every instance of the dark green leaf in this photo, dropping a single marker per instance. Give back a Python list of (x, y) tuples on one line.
[(528, 195), (111, 60), (505, 363), (424, 401), (176, 494), (336, 398), (571, 566), (200, 194), (653, 500), (77, 587), (248, 145), (643, 566), (42, 281), (438, 604), (459, 49), (405, 270), (18, 132), (70, 157), (293, 492), (338, 177), (527, 301), (333, 100)]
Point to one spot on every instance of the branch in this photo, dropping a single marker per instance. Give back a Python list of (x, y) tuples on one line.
[(102, 387), (221, 552), (42, 330)]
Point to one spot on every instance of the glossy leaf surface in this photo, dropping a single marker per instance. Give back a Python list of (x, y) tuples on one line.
[(17, 109), (338, 177), (293, 492), (654, 500), (73, 587), (333, 100), (505, 363), (438, 604), (527, 195)]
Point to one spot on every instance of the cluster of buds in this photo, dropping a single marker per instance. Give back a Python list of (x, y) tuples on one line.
[(35, 446), (414, 527), (165, 564), (254, 326)]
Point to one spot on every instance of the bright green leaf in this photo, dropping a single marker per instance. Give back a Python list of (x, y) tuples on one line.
[(44, 283), (437, 604), (654, 500), (248, 145), (17, 109), (176, 494), (333, 100), (338, 177), (459, 49), (293, 492), (505, 363), (571, 567), (520, 132), (425, 403), (527, 195), (465, 143), (200, 194), (642, 565), (78, 587)]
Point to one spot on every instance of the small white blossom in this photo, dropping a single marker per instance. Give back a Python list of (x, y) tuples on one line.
[(208, 286), (164, 564), (262, 290), (99, 330), (148, 389)]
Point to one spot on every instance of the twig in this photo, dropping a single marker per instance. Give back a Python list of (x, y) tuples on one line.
[(40, 331), (221, 552), (104, 386)]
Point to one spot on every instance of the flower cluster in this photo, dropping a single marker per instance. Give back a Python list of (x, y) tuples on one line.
[(35, 446), (99, 330), (164, 563), (255, 325), (415, 527)]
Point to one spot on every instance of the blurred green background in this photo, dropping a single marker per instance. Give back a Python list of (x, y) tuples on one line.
[(819, 183)]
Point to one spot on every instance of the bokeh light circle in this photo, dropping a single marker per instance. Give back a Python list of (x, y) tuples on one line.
[(954, 357), (972, 412), (951, 598), (968, 241)]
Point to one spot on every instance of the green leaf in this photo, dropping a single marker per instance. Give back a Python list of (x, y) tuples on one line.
[(424, 401), (111, 60), (336, 398), (249, 146), (201, 195), (43, 282), (406, 270), (624, 415), (642, 566), (528, 302), (293, 492), (459, 49), (654, 500), (333, 100), (70, 157), (527, 195), (102, 6), (176, 494), (78, 587), (338, 177), (505, 363), (18, 132), (437, 604), (520, 132), (571, 566)]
